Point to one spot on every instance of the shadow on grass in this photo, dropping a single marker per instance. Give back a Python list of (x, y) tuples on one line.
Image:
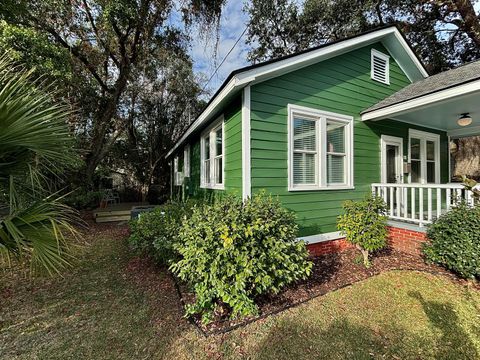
[(456, 342), (304, 337), (94, 312)]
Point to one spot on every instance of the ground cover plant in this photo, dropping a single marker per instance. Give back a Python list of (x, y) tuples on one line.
[(113, 305), (364, 225)]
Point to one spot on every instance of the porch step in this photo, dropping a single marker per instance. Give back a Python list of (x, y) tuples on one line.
[(115, 212)]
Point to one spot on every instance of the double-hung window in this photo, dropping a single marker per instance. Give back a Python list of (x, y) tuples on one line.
[(424, 156), (177, 174), (320, 149), (212, 156), (186, 161)]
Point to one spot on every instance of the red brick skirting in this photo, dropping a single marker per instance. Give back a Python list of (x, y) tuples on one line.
[(328, 247), (407, 241)]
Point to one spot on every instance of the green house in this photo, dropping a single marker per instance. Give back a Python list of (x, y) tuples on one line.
[(333, 123)]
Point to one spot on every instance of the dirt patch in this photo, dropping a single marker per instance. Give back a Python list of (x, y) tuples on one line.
[(330, 272)]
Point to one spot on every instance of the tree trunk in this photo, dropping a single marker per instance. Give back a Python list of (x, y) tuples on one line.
[(105, 113), (364, 252)]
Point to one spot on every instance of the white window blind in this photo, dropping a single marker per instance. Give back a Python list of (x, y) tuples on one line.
[(336, 154), (320, 149), (380, 64), (304, 151)]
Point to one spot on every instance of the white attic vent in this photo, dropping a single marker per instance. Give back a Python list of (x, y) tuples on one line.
[(380, 67)]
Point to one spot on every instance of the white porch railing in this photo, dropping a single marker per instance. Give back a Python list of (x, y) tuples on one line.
[(420, 204)]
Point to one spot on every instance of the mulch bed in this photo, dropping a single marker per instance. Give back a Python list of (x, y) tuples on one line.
[(330, 272)]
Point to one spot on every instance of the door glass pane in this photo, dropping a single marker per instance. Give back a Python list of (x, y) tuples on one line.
[(304, 134), (335, 138), (430, 171), (218, 141), (391, 159), (206, 148), (335, 169), (303, 168), (415, 173), (415, 148), (430, 150)]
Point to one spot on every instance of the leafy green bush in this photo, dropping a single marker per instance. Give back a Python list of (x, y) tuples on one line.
[(454, 241), (154, 233), (84, 199), (364, 225), (234, 251)]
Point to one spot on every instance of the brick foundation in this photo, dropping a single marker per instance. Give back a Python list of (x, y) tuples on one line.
[(328, 247), (405, 240)]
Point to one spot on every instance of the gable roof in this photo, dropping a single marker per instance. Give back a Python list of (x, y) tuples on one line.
[(390, 36), (441, 81)]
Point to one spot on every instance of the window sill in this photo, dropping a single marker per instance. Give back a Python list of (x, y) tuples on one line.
[(344, 187), (213, 187)]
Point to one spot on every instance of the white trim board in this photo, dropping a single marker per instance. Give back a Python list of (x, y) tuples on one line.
[(318, 238), (246, 155), (422, 102), (390, 37)]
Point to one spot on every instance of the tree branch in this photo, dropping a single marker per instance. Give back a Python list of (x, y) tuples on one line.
[(95, 30), (73, 50)]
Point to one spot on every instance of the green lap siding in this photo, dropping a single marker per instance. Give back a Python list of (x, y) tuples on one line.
[(341, 85), (233, 156)]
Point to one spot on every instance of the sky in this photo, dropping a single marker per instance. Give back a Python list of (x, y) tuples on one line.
[(232, 23)]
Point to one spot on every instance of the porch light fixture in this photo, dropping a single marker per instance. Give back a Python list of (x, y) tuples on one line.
[(464, 120)]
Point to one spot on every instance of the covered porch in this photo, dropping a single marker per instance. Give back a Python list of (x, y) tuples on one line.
[(419, 185)]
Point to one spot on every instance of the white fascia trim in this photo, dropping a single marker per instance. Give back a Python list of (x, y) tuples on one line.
[(205, 115), (411, 54), (423, 101), (246, 155), (313, 239), (328, 52)]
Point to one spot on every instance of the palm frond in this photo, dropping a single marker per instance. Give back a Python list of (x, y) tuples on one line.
[(33, 134)]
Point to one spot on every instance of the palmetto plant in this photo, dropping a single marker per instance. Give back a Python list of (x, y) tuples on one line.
[(34, 146)]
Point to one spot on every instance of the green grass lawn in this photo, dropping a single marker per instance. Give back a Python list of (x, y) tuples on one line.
[(110, 307)]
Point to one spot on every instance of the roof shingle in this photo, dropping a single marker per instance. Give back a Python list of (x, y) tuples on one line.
[(444, 80)]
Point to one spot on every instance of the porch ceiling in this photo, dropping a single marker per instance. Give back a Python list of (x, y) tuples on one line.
[(443, 115)]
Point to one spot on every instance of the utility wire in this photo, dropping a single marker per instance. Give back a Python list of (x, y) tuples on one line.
[(225, 58)]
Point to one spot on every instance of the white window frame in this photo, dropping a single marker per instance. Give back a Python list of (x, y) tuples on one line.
[(186, 161), (424, 137), (321, 116), (211, 131), (376, 53), (177, 175)]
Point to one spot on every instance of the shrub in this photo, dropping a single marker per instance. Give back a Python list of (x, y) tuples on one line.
[(83, 199), (454, 241), (364, 225), (234, 251), (154, 233)]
